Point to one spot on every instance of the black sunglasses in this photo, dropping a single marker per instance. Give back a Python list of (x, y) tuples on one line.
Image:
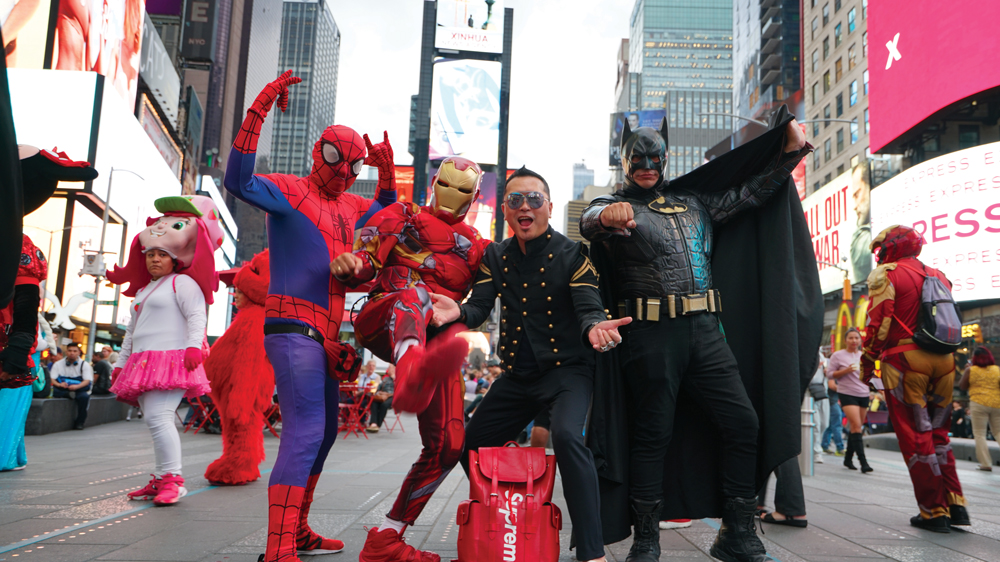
[(535, 199)]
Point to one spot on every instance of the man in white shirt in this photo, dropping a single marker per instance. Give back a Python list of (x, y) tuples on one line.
[(72, 378)]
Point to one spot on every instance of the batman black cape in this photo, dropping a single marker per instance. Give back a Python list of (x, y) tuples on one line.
[(772, 313)]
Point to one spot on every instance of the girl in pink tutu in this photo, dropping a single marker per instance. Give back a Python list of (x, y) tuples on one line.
[(171, 273)]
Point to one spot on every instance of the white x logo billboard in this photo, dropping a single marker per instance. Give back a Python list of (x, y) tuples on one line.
[(893, 51)]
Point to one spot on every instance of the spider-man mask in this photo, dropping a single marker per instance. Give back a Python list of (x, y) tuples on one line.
[(337, 159), (456, 187)]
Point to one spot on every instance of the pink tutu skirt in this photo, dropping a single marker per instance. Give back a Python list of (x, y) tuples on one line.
[(159, 370)]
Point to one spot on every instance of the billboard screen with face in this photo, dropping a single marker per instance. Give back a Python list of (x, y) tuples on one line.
[(954, 201), (25, 32), (470, 25), (465, 110), (635, 119), (839, 219), (925, 55), (104, 36)]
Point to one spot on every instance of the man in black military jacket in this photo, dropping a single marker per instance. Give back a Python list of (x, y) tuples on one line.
[(551, 321)]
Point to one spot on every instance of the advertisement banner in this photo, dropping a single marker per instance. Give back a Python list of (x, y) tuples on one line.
[(636, 119), (195, 124), (470, 25), (157, 70), (954, 201), (198, 36), (25, 32), (465, 110), (103, 37), (157, 133), (404, 184), (913, 76), (839, 219)]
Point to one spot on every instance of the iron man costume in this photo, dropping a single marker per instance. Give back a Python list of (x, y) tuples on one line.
[(412, 251), (918, 384), (309, 221)]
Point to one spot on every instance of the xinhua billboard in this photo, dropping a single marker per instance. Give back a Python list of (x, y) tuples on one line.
[(464, 25)]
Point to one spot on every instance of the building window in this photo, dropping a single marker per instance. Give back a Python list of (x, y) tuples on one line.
[(826, 81), (854, 93), (866, 120), (864, 44), (932, 144), (854, 160), (816, 185), (864, 9), (827, 154), (838, 68), (827, 178), (852, 57), (815, 91), (840, 169), (826, 116), (864, 77), (826, 14), (816, 163), (815, 125), (836, 6), (840, 142), (838, 35), (826, 47), (850, 20), (840, 104), (854, 130), (815, 26), (815, 62), (968, 136)]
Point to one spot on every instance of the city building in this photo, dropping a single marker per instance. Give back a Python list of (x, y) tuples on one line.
[(627, 86), (582, 177), (835, 46), (681, 54), (766, 55), (310, 47), (574, 209)]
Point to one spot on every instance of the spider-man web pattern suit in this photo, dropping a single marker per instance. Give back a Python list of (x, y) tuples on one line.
[(918, 383), (309, 221), (412, 251)]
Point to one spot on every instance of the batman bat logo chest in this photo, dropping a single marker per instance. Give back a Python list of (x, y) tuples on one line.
[(661, 205)]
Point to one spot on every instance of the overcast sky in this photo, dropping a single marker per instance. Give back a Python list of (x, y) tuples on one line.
[(562, 81)]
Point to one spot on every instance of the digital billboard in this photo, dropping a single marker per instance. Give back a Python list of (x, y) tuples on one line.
[(652, 118), (839, 220), (465, 110), (25, 32), (469, 25), (198, 36), (103, 37), (954, 201), (925, 55)]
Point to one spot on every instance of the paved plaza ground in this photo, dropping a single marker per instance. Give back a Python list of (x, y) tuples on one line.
[(70, 505)]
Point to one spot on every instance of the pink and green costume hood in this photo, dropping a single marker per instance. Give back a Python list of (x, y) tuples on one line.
[(189, 231)]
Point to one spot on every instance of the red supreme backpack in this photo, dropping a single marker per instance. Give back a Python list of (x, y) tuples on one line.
[(509, 515)]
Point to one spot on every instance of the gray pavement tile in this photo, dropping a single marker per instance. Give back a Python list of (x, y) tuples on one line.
[(189, 541), (25, 529), (922, 553), (58, 552)]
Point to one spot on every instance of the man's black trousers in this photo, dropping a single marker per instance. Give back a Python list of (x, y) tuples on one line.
[(658, 358), (512, 402), (82, 403), (789, 500)]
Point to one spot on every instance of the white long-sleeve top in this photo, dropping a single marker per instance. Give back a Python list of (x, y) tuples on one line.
[(172, 316)]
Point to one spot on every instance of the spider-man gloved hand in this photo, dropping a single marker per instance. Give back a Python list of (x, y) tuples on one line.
[(380, 156), (246, 140)]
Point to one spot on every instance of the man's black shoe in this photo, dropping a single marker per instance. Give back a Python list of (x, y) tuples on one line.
[(646, 539), (78, 426), (935, 524), (959, 516), (737, 540)]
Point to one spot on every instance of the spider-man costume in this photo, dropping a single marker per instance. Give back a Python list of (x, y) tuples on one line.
[(413, 251), (309, 221), (918, 383)]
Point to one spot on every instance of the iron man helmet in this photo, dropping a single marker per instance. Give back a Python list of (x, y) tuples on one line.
[(456, 187)]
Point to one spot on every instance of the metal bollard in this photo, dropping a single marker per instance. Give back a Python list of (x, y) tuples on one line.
[(808, 423)]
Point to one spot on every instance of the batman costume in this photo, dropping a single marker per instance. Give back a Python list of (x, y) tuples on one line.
[(685, 424)]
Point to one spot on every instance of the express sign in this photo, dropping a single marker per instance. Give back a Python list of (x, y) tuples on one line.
[(954, 201)]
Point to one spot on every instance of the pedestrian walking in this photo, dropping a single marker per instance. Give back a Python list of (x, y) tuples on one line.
[(821, 403), (982, 379), (845, 367)]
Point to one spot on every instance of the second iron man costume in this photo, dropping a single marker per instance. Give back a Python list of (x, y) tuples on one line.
[(412, 251)]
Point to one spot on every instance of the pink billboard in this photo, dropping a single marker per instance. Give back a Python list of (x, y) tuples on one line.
[(924, 55)]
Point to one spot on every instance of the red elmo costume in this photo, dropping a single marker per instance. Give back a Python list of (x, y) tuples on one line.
[(242, 381)]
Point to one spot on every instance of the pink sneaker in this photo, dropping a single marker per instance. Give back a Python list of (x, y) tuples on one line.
[(171, 489), (147, 493)]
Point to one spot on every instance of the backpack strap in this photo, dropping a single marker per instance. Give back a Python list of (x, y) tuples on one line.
[(529, 498)]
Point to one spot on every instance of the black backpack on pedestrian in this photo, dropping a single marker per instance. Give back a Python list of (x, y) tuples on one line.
[(939, 322)]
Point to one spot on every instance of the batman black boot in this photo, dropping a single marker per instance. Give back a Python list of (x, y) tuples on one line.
[(646, 539), (849, 454), (737, 540), (859, 448)]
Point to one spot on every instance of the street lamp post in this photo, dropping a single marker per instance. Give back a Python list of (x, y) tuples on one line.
[(92, 333)]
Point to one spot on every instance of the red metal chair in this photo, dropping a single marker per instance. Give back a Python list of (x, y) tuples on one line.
[(272, 416), (352, 413), (398, 421), (202, 414)]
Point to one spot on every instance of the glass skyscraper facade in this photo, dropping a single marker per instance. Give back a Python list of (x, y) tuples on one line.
[(582, 177), (681, 51), (310, 47)]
